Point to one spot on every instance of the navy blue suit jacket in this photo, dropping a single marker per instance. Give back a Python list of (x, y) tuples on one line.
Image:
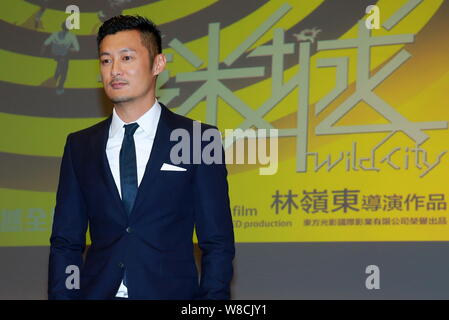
[(154, 242)]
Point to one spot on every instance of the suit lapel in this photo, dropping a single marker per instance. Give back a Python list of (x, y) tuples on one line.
[(161, 146), (99, 148)]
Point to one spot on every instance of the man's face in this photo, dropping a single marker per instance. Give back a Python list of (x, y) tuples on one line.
[(126, 67)]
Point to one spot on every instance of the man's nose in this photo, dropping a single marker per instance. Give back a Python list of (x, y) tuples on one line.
[(116, 69)]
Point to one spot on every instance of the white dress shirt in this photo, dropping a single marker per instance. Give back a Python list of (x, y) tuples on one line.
[(143, 140)]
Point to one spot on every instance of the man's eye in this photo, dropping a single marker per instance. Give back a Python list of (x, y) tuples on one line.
[(104, 61), (127, 58)]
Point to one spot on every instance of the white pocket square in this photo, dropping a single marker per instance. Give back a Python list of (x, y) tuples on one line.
[(170, 167)]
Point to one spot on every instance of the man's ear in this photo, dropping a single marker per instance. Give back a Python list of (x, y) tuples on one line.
[(159, 64)]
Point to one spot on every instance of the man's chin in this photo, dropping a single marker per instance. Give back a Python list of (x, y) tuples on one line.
[(118, 100)]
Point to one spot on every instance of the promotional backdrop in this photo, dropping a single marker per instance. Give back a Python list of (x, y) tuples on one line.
[(358, 96)]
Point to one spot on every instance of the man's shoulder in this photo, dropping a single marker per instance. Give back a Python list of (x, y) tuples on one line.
[(180, 121), (88, 132)]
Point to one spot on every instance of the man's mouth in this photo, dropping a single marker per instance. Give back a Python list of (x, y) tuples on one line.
[(118, 84)]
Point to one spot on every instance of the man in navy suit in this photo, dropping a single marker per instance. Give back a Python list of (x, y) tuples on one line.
[(118, 179)]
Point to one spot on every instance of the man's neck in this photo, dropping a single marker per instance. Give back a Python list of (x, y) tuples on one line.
[(130, 112)]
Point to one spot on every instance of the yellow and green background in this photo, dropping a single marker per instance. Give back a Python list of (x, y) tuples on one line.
[(35, 120)]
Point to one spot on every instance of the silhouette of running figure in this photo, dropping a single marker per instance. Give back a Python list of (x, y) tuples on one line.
[(62, 42)]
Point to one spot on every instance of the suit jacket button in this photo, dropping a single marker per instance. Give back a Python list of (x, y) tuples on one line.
[(121, 265), (129, 230)]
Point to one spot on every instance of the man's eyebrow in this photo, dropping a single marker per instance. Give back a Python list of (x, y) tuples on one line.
[(121, 51), (127, 50)]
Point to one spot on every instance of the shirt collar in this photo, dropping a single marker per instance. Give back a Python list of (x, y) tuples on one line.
[(148, 121)]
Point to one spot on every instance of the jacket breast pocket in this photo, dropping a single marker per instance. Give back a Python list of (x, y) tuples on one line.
[(175, 178)]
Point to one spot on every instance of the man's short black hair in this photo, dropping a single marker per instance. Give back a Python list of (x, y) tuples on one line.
[(150, 34)]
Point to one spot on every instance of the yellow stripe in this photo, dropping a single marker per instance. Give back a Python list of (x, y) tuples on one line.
[(20, 12), (165, 11), (22, 204), (38, 135), (34, 71), (10, 198)]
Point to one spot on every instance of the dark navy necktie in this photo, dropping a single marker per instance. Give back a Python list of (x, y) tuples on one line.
[(128, 172), (128, 167)]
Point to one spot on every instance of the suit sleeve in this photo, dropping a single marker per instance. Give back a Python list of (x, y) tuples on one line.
[(68, 238), (214, 229)]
